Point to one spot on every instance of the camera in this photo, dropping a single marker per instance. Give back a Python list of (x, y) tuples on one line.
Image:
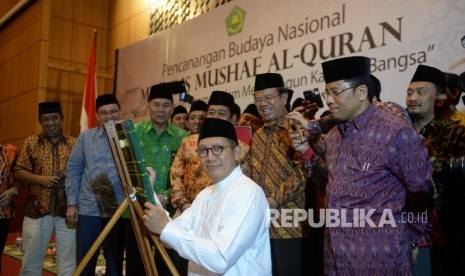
[(314, 97), (295, 128), (179, 87), (184, 97)]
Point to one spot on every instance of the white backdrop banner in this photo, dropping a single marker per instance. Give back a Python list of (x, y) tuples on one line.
[(225, 48)]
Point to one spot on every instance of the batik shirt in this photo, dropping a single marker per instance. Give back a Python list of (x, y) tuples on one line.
[(394, 109), (448, 141), (159, 151), (280, 171), (187, 176), (8, 154), (373, 162), (40, 155)]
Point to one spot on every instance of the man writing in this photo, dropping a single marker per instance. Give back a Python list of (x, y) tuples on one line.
[(225, 230)]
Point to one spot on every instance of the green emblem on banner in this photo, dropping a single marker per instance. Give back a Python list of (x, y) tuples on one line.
[(235, 21)]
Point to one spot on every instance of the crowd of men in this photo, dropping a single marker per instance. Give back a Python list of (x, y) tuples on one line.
[(393, 176)]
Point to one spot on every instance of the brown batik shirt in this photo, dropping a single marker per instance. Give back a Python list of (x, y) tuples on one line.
[(280, 171), (39, 155)]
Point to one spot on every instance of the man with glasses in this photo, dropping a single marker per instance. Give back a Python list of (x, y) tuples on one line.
[(225, 231), (41, 164), (187, 176), (279, 170), (427, 98), (376, 164), (94, 191)]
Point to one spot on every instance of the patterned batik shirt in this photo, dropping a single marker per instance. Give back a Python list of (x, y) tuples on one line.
[(280, 171), (8, 154), (187, 176), (39, 155), (394, 109), (448, 141), (159, 151), (373, 161)]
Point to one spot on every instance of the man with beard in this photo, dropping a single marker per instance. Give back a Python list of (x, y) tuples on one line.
[(430, 105), (94, 191), (41, 165)]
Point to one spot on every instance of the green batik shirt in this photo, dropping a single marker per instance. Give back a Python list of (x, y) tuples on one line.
[(159, 151)]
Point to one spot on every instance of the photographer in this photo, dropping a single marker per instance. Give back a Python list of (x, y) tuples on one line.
[(448, 144), (430, 103)]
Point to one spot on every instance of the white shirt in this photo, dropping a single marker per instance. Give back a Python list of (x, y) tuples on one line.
[(225, 230)]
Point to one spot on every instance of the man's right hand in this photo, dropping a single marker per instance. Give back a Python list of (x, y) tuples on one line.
[(310, 108), (49, 181), (72, 215)]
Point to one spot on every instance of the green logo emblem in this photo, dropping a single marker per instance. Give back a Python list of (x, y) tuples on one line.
[(235, 21)]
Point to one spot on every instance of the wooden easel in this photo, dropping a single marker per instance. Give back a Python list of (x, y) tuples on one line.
[(143, 236)]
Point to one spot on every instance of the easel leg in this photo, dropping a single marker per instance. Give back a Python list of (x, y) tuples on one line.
[(98, 242)]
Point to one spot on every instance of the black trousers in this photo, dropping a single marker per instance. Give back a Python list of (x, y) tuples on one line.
[(287, 256), (134, 264), (4, 225)]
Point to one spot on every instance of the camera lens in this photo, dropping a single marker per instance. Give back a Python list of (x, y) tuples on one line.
[(457, 166)]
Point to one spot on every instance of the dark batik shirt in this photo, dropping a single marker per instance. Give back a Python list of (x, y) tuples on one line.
[(448, 141), (39, 155), (280, 171), (373, 161), (8, 155)]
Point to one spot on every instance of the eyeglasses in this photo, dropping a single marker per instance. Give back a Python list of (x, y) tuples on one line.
[(216, 150), (197, 118), (112, 112), (267, 98), (335, 93)]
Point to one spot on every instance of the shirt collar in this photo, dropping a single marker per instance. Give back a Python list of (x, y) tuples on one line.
[(359, 122), (170, 128), (43, 137), (281, 122), (228, 180), (100, 131)]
